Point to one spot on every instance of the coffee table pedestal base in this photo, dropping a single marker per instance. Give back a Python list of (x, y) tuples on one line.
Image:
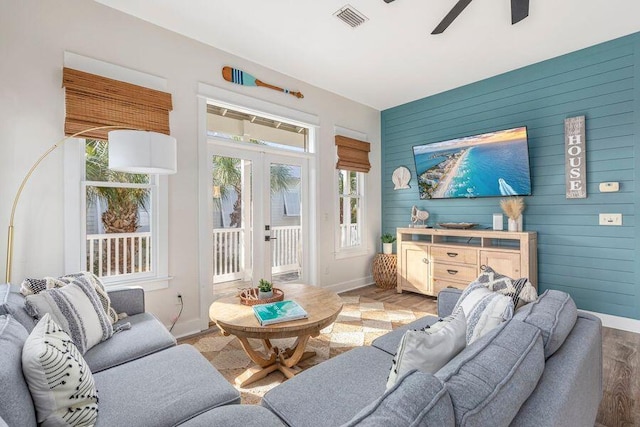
[(283, 360)]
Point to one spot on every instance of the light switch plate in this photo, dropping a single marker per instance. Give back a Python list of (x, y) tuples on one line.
[(610, 219), (609, 187)]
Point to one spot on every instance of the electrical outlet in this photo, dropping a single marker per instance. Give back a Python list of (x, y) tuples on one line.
[(610, 219), (179, 299)]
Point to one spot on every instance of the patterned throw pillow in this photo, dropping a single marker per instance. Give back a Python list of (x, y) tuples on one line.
[(520, 290), (61, 384), (483, 309), (429, 349), (34, 286), (77, 309)]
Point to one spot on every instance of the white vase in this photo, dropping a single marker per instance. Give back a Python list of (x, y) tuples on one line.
[(515, 224), (387, 248)]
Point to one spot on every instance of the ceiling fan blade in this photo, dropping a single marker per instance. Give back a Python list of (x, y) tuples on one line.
[(519, 10), (453, 14)]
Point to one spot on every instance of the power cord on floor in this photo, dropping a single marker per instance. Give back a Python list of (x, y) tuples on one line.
[(175, 320)]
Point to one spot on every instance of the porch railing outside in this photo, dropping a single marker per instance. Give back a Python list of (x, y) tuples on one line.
[(115, 254), (228, 262)]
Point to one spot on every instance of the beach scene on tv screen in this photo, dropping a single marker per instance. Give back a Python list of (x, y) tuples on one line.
[(491, 164)]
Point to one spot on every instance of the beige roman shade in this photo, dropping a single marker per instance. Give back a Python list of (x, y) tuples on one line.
[(353, 154), (93, 101)]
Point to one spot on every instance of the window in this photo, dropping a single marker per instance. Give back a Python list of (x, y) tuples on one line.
[(350, 185), (122, 225)]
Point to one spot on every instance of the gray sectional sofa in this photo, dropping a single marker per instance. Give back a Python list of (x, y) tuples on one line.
[(143, 377), (542, 368)]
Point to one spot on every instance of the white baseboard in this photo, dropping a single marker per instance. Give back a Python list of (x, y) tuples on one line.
[(183, 329), (617, 322), (351, 284)]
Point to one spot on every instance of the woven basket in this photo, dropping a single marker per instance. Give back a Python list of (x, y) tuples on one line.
[(250, 296)]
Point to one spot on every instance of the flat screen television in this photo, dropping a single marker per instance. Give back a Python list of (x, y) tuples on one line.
[(488, 165)]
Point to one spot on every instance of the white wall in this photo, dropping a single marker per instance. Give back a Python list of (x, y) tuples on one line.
[(33, 36)]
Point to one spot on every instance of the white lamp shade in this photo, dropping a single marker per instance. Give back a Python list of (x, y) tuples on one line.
[(136, 151)]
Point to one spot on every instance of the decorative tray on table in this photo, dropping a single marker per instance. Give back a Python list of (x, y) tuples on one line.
[(458, 225), (250, 296)]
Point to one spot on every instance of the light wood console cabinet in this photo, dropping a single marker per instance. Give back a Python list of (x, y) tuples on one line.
[(430, 259)]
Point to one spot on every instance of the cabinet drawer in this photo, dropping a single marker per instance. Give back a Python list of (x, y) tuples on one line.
[(447, 254), (456, 272), (440, 284)]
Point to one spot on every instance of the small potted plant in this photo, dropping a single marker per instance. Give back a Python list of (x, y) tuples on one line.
[(265, 289), (387, 243)]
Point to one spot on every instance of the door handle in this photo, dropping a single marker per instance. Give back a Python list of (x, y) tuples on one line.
[(269, 238)]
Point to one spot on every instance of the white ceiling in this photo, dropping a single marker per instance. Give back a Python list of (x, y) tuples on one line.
[(392, 58)]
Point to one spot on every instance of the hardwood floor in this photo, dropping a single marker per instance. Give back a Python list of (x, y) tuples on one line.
[(620, 404)]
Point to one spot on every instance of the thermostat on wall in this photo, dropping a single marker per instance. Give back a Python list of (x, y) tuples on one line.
[(609, 187)]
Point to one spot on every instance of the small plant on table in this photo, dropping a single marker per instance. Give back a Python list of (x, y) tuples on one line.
[(265, 289)]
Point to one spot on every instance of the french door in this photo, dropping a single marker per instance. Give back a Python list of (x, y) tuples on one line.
[(259, 216)]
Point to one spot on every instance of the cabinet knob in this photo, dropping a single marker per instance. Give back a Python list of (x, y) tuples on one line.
[(426, 261), (452, 254), (452, 271)]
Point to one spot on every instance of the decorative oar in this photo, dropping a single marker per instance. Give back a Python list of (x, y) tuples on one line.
[(234, 75)]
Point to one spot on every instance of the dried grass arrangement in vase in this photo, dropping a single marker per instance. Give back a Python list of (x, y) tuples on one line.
[(513, 208)]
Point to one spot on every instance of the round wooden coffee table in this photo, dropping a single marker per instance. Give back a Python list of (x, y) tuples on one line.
[(234, 318)]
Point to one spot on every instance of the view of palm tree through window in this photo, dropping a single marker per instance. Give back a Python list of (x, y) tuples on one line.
[(118, 233)]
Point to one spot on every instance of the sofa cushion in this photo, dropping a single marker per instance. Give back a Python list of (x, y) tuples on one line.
[(34, 286), (16, 405), (333, 392), (483, 309), (12, 302), (389, 342), (490, 379), (77, 309), (145, 336), (417, 399), (554, 313), (59, 379), (429, 349), (162, 389), (236, 415)]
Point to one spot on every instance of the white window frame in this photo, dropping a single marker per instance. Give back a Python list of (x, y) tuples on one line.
[(75, 236), (361, 248)]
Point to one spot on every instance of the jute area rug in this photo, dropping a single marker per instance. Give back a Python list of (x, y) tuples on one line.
[(361, 321)]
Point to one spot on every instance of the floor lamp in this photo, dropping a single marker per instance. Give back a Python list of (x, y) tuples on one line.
[(130, 150)]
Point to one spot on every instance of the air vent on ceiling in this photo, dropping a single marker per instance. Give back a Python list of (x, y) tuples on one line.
[(350, 16)]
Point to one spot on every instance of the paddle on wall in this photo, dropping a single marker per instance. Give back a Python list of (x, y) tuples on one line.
[(234, 75)]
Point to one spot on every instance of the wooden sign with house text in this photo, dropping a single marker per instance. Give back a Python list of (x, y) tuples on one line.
[(575, 156)]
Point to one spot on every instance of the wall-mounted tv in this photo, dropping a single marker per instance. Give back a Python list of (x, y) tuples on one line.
[(487, 165)]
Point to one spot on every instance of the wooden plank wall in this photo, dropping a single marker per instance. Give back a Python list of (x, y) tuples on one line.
[(597, 265)]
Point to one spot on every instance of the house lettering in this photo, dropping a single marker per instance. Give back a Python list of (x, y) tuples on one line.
[(575, 167)]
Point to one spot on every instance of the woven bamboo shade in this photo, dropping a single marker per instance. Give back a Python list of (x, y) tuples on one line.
[(353, 154), (93, 101)]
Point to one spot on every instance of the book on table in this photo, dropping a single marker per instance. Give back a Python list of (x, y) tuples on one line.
[(280, 311)]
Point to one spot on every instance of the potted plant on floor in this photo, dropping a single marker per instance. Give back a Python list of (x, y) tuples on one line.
[(387, 243), (265, 289)]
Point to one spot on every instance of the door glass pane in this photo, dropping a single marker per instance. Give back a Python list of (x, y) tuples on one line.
[(232, 222), (286, 222)]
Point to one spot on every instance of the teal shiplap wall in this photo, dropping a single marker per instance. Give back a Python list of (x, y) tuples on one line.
[(597, 265)]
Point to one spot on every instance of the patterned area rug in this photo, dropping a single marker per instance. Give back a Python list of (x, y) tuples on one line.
[(361, 321)]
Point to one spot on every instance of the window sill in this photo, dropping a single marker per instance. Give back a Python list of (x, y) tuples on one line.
[(148, 285), (351, 253)]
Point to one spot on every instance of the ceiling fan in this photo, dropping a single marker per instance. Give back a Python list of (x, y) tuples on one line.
[(519, 11)]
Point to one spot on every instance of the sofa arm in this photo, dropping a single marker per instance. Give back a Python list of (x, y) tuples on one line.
[(127, 300), (447, 299)]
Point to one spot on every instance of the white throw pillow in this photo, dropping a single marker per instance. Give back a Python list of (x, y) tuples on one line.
[(429, 349), (483, 309), (77, 309), (59, 379)]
